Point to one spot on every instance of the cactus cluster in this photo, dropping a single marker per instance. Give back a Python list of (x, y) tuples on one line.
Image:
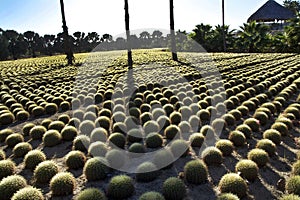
[(195, 172)]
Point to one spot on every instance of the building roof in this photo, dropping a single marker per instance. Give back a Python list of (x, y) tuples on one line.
[(271, 11)]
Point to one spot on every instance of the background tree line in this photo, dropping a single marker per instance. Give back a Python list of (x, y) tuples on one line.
[(252, 37)]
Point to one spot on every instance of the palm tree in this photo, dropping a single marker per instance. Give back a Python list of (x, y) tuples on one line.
[(67, 44), (129, 52), (173, 41), (223, 24), (254, 36)]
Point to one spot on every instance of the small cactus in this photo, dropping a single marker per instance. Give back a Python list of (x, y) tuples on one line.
[(212, 156), (154, 140), (22, 149), (259, 156), (45, 171), (75, 159), (120, 187), (52, 138), (237, 138), (7, 168), (267, 145), (146, 172), (91, 194), (14, 139), (10, 185), (68, 133), (233, 183), (293, 185), (247, 169), (33, 158), (174, 188), (28, 193), (228, 196), (62, 184), (225, 146), (195, 172), (95, 169), (152, 195)]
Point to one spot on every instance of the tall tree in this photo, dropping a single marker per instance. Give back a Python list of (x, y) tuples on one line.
[(254, 37), (129, 52), (173, 40), (293, 5), (223, 26), (67, 44), (29, 35)]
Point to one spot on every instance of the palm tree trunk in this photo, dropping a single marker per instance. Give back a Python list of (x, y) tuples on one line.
[(223, 23), (173, 41), (67, 45), (129, 52)]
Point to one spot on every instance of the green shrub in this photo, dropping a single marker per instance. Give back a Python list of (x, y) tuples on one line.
[(7, 168), (180, 148), (28, 193), (26, 128), (68, 133), (95, 169), (281, 127), (245, 129), (272, 135), (135, 135), (37, 132), (146, 172), (228, 196), (75, 159), (247, 169), (117, 140), (259, 156), (267, 145), (51, 108), (154, 140), (115, 158), (56, 125), (52, 138), (44, 171), (7, 118), (252, 123), (172, 132), (81, 143), (152, 196), (225, 146), (62, 184), (290, 197), (237, 138), (97, 149), (212, 156), (10, 185), (293, 185), (91, 194), (233, 183), (196, 140), (120, 187), (262, 117), (14, 139), (195, 172), (33, 158), (163, 159), (21, 149), (4, 133), (174, 188)]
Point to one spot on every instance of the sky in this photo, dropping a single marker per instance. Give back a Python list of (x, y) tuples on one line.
[(44, 17)]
